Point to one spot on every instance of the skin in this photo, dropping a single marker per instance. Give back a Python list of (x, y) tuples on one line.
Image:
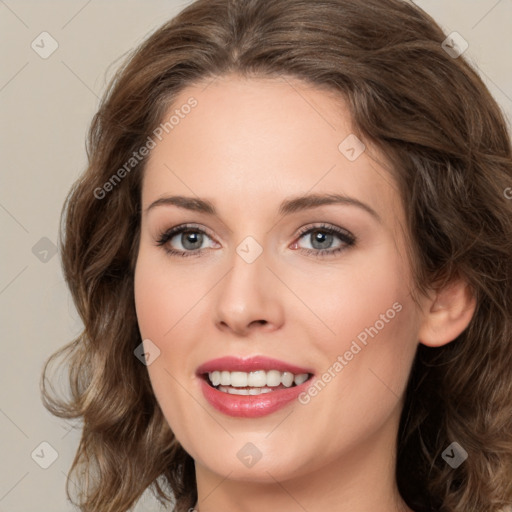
[(246, 146)]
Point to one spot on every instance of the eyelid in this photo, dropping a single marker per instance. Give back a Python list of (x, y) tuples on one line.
[(167, 234), (326, 227), (187, 226)]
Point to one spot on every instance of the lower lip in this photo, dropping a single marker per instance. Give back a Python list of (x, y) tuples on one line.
[(251, 406)]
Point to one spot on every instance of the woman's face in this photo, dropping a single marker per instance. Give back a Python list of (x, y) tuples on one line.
[(320, 286)]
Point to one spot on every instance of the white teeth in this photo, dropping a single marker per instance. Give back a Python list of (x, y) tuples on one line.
[(236, 391), (299, 379), (273, 378), (257, 379), (287, 379), (215, 377), (239, 379)]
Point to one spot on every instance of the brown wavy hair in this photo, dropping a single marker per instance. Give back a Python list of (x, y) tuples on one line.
[(432, 116)]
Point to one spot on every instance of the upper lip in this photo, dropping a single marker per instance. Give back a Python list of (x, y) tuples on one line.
[(249, 364)]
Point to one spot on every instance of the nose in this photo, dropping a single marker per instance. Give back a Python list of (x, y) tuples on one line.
[(248, 298)]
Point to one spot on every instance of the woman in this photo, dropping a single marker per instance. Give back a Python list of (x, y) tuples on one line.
[(291, 251)]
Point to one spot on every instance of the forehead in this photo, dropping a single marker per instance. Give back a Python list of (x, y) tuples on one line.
[(258, 140)]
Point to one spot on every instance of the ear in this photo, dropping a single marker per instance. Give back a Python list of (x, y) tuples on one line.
[(447, 314)]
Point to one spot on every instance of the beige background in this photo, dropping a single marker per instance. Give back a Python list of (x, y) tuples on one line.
[(46, 106)]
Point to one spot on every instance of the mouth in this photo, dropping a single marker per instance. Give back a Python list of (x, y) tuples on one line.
[(253, 383), (251, 387)]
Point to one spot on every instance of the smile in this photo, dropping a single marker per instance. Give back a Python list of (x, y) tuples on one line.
[(251, 387), (254, 383)]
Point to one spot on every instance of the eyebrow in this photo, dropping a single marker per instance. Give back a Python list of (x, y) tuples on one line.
[(287, 207)]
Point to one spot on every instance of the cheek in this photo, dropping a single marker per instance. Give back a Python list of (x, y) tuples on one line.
[(366, 364), (356, 296), (160, 303), (150, 304), (163, 294), (375, 324)]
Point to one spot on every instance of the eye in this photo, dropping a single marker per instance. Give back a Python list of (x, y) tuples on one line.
[(321, 240), (191, 239), (189, 236)]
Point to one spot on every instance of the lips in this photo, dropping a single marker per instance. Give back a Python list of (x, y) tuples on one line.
[(250, 405), (251, 364)]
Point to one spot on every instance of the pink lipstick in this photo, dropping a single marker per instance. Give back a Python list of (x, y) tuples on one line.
[(251, 387)]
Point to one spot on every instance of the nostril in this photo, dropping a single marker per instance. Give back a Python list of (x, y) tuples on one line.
[(262, 322)]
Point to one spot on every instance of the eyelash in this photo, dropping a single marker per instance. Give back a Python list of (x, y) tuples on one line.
[(345, 236)]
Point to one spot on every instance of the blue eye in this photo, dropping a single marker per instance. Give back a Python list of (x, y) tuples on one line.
[(321, 238), (192, 238)]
